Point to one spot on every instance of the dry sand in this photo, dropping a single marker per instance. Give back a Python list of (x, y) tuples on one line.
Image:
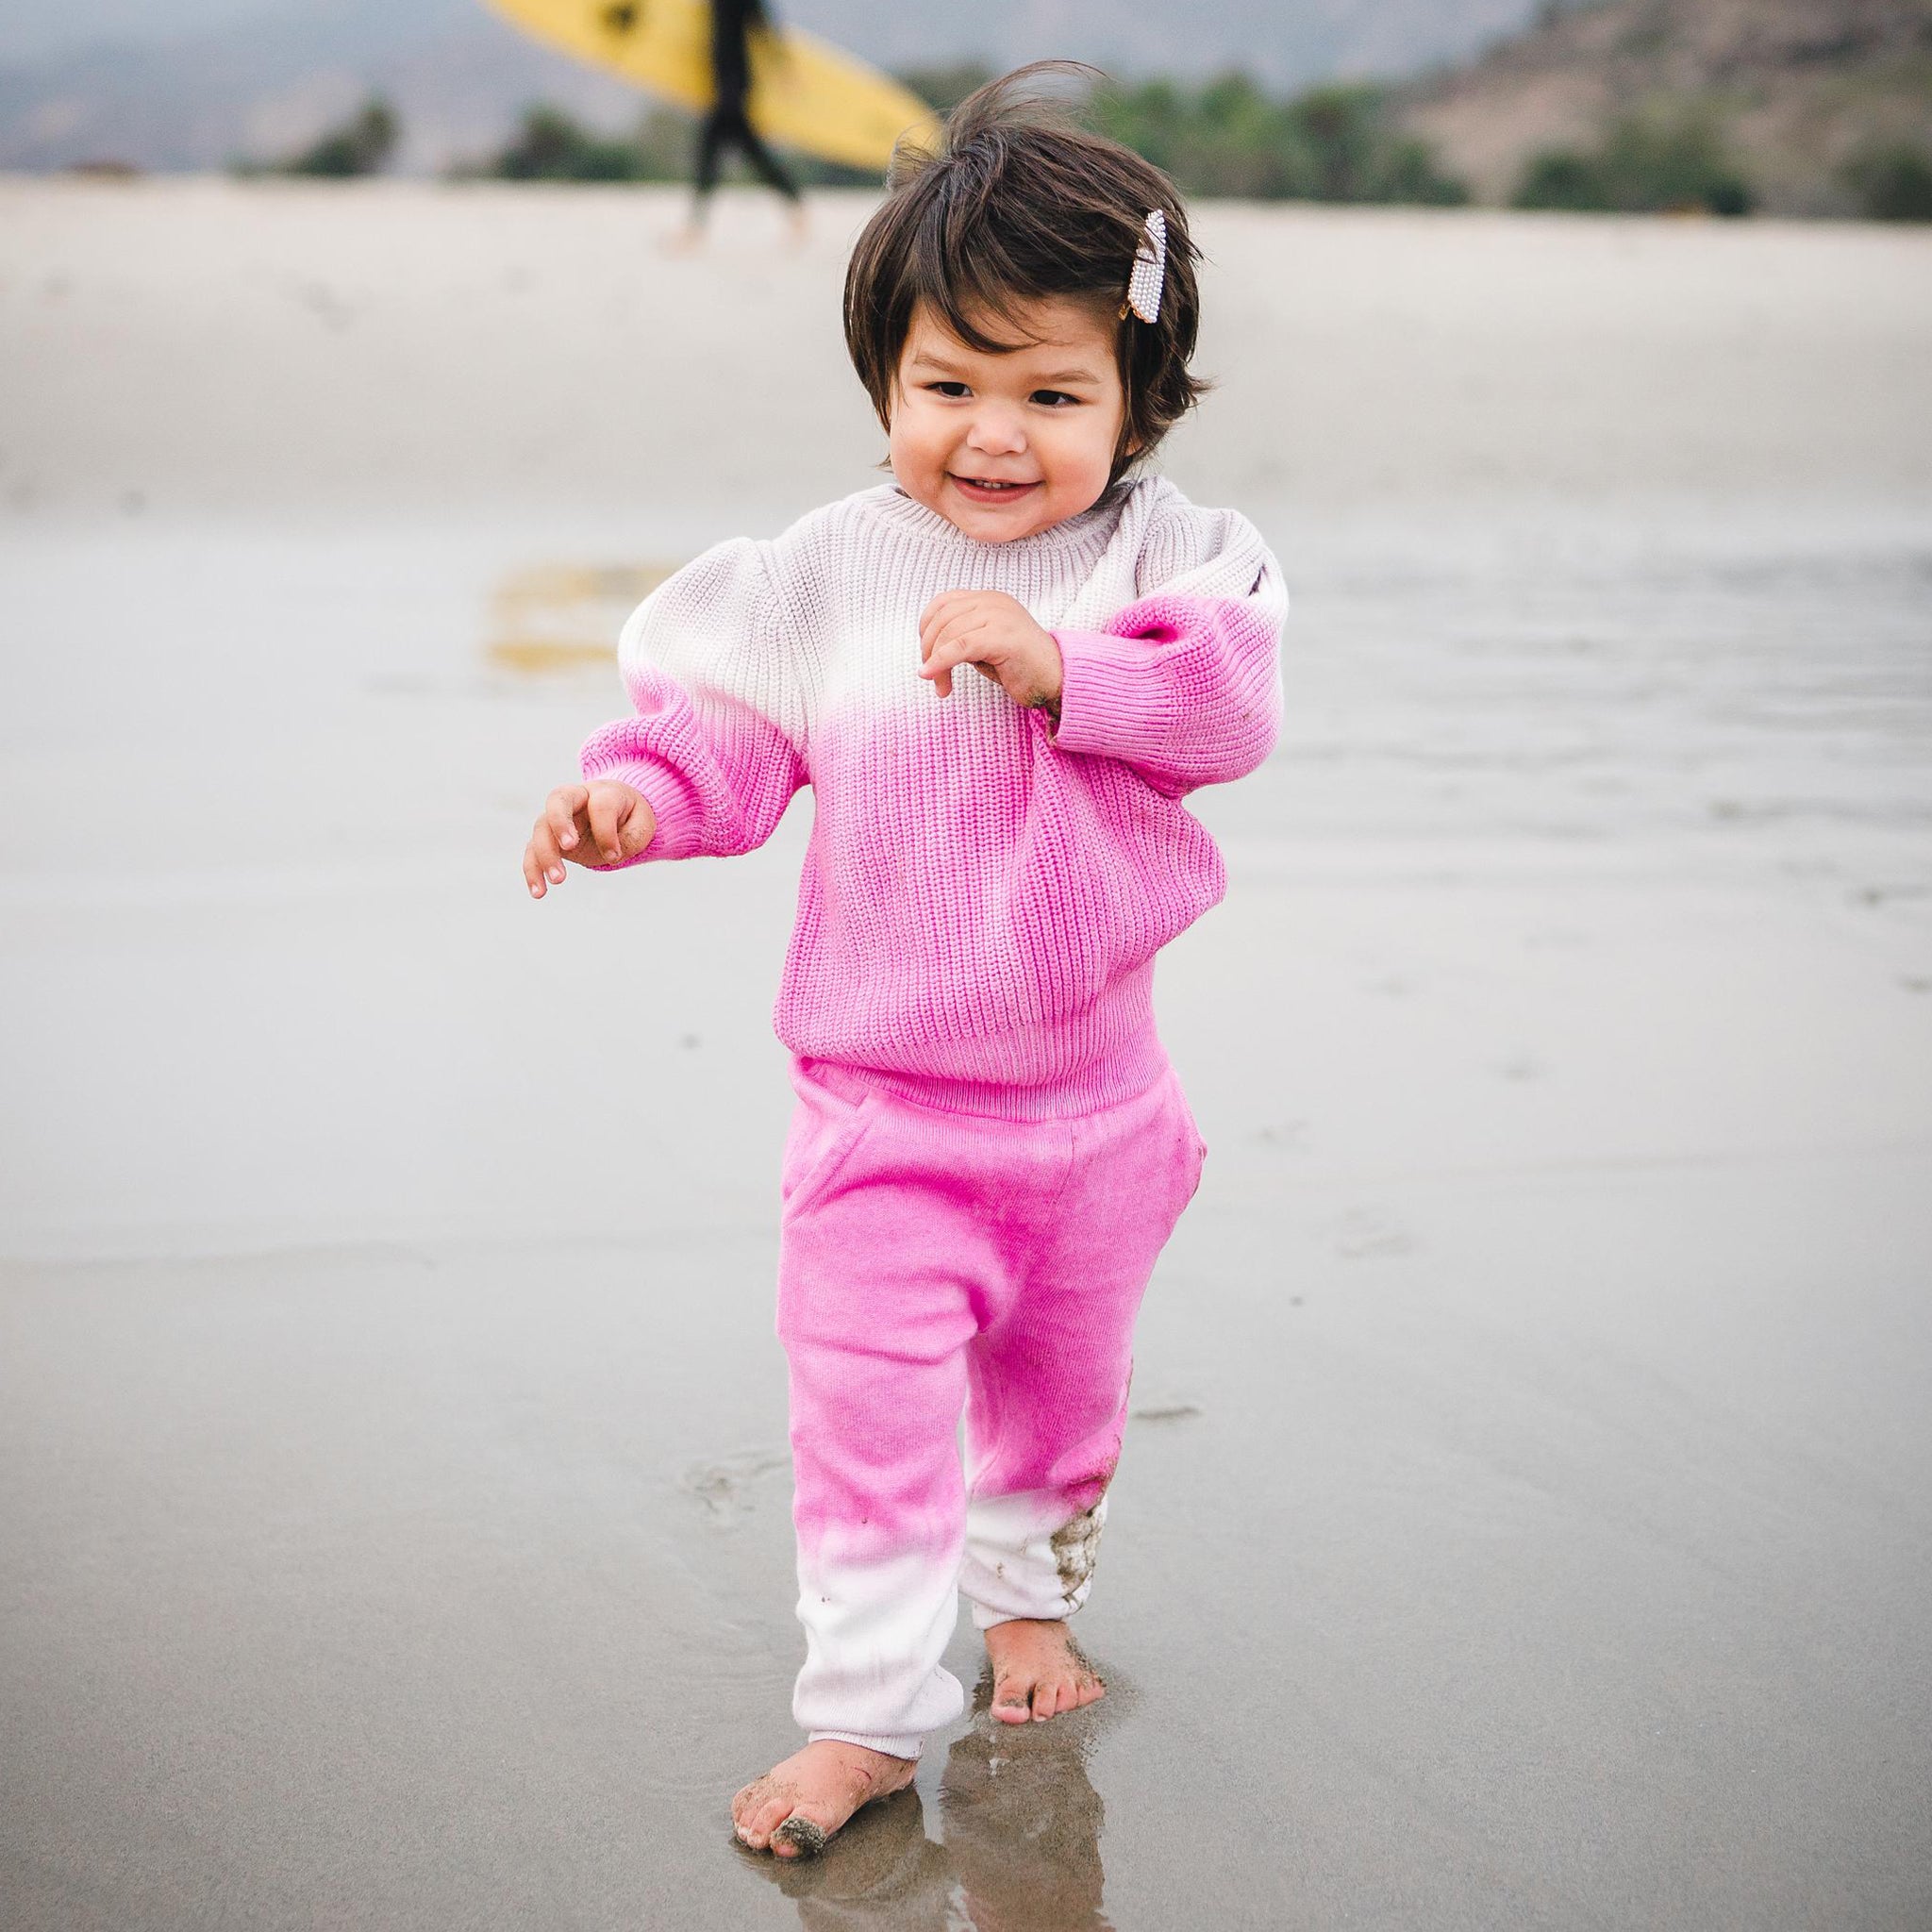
[(1526, 1523)]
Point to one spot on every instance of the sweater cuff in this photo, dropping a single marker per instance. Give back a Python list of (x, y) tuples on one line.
[(1113, 702), (663, 789)]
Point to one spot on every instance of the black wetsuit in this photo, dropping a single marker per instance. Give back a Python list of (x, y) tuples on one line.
[(726, 124)]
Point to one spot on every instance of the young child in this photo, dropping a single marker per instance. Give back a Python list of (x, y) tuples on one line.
[(989, 1148)]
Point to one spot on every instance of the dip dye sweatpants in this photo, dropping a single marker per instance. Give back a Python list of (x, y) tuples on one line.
[(933, 1261)]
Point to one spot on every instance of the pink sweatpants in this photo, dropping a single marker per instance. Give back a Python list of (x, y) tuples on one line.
[(933, 1262)]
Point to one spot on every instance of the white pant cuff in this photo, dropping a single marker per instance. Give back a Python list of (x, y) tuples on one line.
[(892, 1747), (984, 1619)]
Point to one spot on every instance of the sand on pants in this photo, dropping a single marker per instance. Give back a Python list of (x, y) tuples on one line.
[(1526, 1518)]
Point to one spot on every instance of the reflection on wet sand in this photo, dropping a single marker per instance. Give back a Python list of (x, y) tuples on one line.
[(565, 617), (1022, 1825)]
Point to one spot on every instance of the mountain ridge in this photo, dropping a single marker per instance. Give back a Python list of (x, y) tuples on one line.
[(1795, 90)]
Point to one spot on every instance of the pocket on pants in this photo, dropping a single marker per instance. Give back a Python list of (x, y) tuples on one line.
[(821, 1143)]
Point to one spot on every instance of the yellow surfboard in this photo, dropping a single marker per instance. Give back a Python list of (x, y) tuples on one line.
[(805, 92)]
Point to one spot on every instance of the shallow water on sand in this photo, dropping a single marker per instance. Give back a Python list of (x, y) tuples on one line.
[(1528, 1436), (1523, 1520)]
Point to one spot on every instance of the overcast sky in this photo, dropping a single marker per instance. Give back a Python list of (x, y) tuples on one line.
[(31, 30), (1383, 35)]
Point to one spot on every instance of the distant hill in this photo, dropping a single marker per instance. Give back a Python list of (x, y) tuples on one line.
[(1796, 89), (263, 84), (102, 79)]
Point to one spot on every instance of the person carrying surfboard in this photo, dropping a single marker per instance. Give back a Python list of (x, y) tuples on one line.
[(805, 93), (990, 1148), (727, 124)]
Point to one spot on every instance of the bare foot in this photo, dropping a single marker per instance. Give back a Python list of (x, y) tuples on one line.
[(1038, 1672), (798, 1804)]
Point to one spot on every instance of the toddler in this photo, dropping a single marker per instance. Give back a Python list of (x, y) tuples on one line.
[(990, 1147)]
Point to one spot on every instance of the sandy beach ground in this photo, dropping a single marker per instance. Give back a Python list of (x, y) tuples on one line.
[(1528, 1517)]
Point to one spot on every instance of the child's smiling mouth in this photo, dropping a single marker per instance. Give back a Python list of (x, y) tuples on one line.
[(989, 489)]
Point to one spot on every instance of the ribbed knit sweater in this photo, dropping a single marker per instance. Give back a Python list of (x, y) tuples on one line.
[(985, 891)]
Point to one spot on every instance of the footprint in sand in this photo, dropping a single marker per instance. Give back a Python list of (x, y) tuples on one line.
[(724, 1488)]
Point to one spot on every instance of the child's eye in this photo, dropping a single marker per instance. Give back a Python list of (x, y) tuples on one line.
[(1052, 398), (951, 390)]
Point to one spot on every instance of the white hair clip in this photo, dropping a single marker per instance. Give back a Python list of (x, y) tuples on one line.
[(1149, 276)]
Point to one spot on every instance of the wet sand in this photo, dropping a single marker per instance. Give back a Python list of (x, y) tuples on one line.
[(1525, 1521)]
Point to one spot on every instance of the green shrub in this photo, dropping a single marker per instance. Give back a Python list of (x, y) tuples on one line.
[(1565, 177), (1357, 156), (551, 146), (1226, 136), (1892, 181), (359, 147), (1230, 138), (1644, 164)]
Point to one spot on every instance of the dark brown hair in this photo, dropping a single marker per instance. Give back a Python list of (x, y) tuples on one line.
[(1014, 204)]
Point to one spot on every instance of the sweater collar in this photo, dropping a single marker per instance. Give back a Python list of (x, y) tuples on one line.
[(1090, 530)]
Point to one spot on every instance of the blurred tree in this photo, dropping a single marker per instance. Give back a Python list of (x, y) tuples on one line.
[(1229, 136), (1654, 163), (359, 147), (1892, 181), (551, 146), (1359, 157), (1225, 137)]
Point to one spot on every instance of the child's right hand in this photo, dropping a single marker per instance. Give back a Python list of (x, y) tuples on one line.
[(600, 825)]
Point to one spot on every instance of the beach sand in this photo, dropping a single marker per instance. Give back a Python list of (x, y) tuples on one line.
[(1526, 1519)]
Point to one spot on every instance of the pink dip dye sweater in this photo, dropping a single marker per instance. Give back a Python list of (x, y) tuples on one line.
[(985, 891)]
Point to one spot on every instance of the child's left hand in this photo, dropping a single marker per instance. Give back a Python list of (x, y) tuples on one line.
[(995, 634)]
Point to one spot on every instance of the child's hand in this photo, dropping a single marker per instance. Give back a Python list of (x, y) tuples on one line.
[(599, 825), (994, 633)]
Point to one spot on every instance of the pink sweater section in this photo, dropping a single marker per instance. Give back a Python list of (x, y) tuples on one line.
[(984, 892)]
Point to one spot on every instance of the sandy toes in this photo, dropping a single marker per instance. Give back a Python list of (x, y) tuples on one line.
[(799, 1804), (1038, 1672)]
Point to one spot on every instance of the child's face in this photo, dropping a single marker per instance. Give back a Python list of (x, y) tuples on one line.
[(1003, 446)]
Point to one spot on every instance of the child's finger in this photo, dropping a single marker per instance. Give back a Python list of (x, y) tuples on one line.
[(541, 857), (941, 670), (608, 810), (945, 601), (964, 648), (561, 810), (949, 604), (970, 623)]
